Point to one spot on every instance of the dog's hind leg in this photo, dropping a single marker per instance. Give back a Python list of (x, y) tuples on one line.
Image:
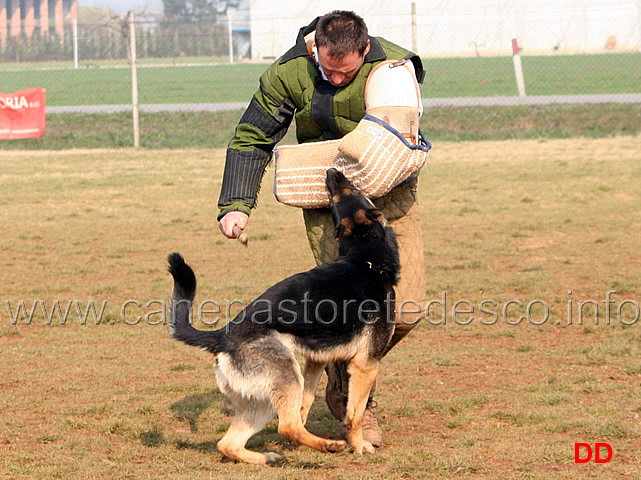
[(311, 376), (251, 417), (362, 371), (287, 397)]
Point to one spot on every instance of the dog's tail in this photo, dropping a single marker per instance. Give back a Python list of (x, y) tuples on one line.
[(180, 307)]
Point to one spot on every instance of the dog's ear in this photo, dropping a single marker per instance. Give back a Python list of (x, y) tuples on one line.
[(338, 231), (376, 216)]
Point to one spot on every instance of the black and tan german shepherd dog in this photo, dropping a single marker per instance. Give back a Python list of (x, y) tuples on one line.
[(339, 311)]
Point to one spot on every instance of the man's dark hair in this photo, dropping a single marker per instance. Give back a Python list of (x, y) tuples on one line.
[(343, 32)]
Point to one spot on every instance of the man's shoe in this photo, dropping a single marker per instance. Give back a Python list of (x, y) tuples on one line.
[(371, 430)]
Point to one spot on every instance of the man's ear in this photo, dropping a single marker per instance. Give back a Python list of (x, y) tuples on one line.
[(366, 51)]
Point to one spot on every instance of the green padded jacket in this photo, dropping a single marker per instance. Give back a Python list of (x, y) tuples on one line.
[(293, 87)]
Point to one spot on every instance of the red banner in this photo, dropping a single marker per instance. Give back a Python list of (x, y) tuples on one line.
[(22, 114)]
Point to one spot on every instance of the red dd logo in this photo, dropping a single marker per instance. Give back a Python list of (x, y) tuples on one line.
[(583, 453)]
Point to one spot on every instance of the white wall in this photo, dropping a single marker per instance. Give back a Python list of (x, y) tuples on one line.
[(463, 27)]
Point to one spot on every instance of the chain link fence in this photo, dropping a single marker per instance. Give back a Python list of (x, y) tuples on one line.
[(578, 52), (212, 61)]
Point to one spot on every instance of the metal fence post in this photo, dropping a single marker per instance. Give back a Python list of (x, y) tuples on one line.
[(134, 77), (414, 29), (639, 26), (230, 37)]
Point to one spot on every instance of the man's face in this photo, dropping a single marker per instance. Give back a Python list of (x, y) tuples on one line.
[(340, 71)]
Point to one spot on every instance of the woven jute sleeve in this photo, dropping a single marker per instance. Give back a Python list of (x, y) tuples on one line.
[(374, 157), (300, 174)]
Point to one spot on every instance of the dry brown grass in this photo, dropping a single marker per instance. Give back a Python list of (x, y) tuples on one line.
[(503, 221)]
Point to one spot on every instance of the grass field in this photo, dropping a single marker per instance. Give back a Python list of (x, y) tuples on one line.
[(177, 130), (469, 397), (103, 84)]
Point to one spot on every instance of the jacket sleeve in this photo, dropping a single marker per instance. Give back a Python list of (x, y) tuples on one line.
[(261, 127)]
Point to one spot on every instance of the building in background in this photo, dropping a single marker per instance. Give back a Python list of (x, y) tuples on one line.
[(22, 18), (236, 14), (263, 29), (441, 28)]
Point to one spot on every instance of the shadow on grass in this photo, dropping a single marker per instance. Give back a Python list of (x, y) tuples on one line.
[(152, 438), (156, 438), (190, 408), (203, 447)]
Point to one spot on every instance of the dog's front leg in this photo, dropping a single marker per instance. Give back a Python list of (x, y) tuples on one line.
[(362, 371), (311, 376)]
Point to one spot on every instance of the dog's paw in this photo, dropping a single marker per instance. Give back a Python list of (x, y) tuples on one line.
[(364, 448), (335, 446), (368, 448), (271, 457)]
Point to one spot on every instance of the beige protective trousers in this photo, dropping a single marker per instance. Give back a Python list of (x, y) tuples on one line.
[(401, 210)]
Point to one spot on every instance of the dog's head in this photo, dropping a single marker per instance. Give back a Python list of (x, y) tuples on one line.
[(355, 216)]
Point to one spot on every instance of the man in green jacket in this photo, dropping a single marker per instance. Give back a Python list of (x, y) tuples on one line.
[(320, 82)]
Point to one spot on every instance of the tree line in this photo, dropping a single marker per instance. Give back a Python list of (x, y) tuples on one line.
[(187, 28)]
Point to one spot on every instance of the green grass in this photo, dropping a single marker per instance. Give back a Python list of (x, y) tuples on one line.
[(544, 75), (440, 124), (591, 74), (102, 84), (112, 86)]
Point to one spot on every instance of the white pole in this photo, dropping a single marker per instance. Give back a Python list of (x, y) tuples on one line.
[(639, 26), (229, 34), (75, 43), (414, 29), (134, 78), (518, 68), (585, 30)]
